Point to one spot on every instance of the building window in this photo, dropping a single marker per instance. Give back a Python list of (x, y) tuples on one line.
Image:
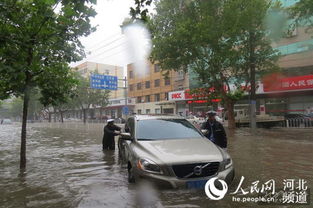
[(157, 111), (138, 86), (131, 87), (157, 68), (147, 98), (139, 99), (131, 74), (157, 83), (139, 111), (168, 110), (166, 96), (167, 81), (148, 111), (157, 97), (147, 84)]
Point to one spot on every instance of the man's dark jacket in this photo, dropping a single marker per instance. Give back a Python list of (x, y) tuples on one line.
[(218, 133), (108, 136)]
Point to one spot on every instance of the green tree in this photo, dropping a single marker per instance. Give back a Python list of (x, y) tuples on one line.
[(38, 39), (223, 42), (140, 11), (302, 11)]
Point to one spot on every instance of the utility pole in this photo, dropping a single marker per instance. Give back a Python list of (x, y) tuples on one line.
[(125, 95), (252, 82)]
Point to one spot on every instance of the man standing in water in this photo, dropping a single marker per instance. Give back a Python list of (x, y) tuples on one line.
[(110, 131), (215, 130)]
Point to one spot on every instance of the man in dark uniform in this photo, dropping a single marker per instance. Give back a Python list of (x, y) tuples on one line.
[(215, 130), (109, 130)]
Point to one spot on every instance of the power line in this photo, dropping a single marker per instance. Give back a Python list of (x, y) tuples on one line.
[(110, 43), (112, 54), (110, 37), (108, 50)]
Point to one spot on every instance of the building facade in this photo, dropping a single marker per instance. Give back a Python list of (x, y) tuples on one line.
[(150, 90)]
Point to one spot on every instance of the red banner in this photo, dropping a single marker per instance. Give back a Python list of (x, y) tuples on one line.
[(277, 82)]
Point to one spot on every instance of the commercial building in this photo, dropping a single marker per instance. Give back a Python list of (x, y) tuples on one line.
[(150, 90), (290, 91)]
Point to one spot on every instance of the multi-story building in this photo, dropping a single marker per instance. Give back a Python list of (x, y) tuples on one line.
[(117, 97), (291, 91), (150, 91)]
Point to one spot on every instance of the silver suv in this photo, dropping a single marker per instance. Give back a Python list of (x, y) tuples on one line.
[(170, 150)]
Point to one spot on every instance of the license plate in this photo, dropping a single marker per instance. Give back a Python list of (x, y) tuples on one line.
[(196, 184)]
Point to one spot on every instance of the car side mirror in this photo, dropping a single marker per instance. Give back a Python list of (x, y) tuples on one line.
[(126, 136)]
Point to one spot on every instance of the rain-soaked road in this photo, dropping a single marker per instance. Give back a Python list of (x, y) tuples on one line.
[(66, 168)]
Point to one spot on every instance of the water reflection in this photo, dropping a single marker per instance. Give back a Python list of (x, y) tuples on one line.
[(67, 168)]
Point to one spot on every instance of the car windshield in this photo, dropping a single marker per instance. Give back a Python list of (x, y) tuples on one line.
[(157, 129)]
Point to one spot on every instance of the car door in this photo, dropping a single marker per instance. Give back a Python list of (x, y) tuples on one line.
[(125, 144)]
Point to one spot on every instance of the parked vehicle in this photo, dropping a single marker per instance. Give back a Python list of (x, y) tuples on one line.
[(242, 119), (195, 120), (6, 121), (171, 151)]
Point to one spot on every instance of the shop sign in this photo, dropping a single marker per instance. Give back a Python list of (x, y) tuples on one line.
[(177, 95), (279, 83), (204, 101)]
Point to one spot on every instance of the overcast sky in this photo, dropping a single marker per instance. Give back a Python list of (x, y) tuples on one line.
[(107, 45)]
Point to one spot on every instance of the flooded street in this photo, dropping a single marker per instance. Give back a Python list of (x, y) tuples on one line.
[(67, 168)]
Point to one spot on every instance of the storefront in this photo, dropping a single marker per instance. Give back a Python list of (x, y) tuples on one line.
[(286, 95), (187, 104)]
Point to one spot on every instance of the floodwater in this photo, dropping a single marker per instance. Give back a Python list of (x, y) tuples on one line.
[(67, 168)]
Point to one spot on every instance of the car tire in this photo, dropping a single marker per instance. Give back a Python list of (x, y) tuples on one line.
[(131, 175)]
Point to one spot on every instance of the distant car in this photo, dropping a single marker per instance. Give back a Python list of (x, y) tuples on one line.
[(195, 119), (6, 121), (169, 150)]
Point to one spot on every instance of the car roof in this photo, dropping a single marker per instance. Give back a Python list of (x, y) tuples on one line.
[(156, 116)]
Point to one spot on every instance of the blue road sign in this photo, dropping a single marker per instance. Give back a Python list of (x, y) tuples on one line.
[(104, 82), (125, 110)]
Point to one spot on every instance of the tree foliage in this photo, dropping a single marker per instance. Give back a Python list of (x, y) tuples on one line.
[(221, 41), (302, 11), (37, 41), (140, 12)]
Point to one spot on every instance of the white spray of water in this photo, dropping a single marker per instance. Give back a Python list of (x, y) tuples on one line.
[(139, 46)]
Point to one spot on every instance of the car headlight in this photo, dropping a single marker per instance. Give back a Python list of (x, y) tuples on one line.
[(227, 161), (148, 166)]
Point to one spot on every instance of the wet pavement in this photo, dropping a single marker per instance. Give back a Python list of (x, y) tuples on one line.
[(67, 168)]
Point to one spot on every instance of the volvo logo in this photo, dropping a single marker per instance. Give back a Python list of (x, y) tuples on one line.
[(197, 170)]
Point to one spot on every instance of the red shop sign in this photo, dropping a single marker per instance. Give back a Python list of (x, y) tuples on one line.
[(277, 82)]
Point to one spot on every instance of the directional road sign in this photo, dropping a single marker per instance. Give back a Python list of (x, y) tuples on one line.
[(125, 110), (104, 82)]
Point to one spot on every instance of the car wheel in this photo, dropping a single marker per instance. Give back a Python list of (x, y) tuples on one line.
[(131, 176)]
